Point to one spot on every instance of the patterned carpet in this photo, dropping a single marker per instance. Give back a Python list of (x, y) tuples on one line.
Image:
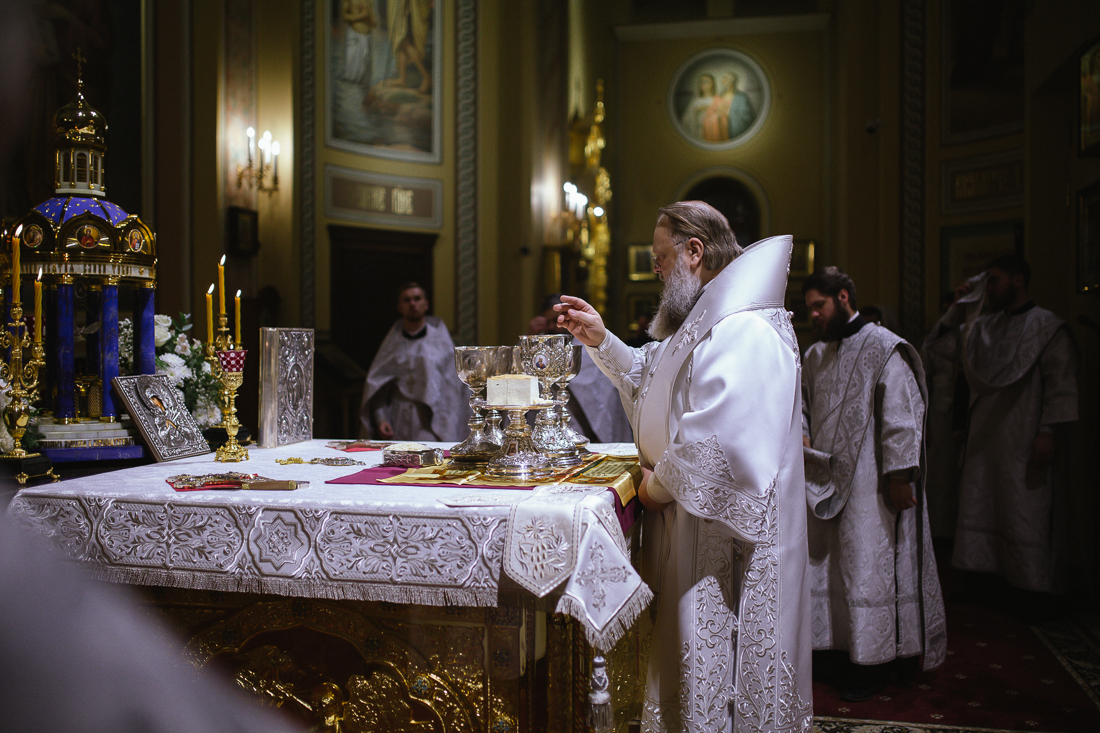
[(1001, 675)]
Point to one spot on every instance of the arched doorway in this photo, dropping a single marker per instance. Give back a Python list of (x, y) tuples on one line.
[(735, 200)]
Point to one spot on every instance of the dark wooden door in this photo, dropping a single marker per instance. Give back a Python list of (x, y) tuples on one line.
[(368, 267)]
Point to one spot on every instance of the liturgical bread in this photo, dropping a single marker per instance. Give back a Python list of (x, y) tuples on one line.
[(513, 389)]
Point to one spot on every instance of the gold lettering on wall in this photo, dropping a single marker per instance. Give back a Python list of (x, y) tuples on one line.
[(371, 197), (402, 201), (990, 185)]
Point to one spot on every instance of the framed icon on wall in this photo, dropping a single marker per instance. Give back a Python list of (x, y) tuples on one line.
[(1090, 101), (640, 262), (1088, 238)]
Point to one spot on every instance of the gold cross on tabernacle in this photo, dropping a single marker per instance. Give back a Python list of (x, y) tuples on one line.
[(80, 61)]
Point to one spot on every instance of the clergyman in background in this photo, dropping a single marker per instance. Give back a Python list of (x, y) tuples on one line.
[(876, 594), (412, 391)]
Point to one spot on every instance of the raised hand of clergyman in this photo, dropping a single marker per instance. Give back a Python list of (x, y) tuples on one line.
[(581, 320)]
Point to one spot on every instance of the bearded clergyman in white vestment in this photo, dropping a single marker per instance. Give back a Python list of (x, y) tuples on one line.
[(716, 412), (876, 593), (1020, 364), (412, 391)]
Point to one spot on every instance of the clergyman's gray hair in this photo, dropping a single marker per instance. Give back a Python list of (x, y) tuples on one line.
[(707, 224)]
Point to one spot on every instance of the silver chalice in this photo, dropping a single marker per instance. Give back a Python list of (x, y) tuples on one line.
[(475, 364), (562, 400), (548, 358)]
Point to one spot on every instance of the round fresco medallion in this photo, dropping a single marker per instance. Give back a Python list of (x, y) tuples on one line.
[(542, 361), (136, 240), (87, 236), (32, 236), (719, 99)]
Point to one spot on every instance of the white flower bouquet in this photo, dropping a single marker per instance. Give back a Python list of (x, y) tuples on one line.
[(182, 359)]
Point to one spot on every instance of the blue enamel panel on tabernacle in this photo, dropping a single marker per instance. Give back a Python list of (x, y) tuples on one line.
[(108, 346), (66, 390), (62, 208)]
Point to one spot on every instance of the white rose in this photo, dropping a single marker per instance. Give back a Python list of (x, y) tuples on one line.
[(175, 368), (206, 413), (161, 334), (162, 320)]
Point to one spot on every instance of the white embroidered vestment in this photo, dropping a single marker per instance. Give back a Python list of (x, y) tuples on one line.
[(716, 412), (876, 592), (1022, 372), (412, 384)]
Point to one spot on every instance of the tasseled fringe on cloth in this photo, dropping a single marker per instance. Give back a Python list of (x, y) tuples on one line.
[(600, 717), (350, 591), (605, 639)]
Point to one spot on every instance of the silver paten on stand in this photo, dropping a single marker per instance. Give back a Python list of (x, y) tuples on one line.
[(518, 457)]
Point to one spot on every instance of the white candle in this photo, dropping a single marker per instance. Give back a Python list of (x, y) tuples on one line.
[(275, 160), (251, 132)]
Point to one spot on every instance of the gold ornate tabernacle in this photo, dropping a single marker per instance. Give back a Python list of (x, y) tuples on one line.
[(85, 248)]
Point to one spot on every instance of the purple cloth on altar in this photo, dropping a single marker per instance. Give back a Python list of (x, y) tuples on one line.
[(627, 515)]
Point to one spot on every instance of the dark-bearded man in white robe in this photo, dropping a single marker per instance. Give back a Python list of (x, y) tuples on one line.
[(716, 412), (1020, 364), (412, 391), (876, 593)]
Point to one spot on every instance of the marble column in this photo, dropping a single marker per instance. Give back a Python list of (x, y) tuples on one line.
[(144, 341), (63, 356), (108, 347)]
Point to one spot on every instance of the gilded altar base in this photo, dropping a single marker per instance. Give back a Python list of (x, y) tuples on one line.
[(368, 666)]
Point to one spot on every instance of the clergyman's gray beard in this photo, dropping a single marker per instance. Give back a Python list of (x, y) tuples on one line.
[(677, 299)]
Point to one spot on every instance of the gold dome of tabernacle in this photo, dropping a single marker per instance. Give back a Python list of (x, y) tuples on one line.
[(78, 122)]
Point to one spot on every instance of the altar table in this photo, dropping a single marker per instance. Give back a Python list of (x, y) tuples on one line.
[(409, 607)]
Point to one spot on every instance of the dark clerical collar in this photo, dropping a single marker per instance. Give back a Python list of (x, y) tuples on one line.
[(853, 327), (414, 336), (1023, 308)]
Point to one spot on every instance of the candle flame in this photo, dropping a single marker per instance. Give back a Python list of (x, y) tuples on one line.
[(211, 290), (222, 261), (39, 274), (238, 293), (18, 230)]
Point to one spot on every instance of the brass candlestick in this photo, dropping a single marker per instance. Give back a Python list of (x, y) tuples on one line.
[(231, 375), (23, 379), (23, 390), (221, 343)]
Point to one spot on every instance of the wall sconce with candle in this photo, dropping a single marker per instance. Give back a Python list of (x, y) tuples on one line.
[(257, 172)]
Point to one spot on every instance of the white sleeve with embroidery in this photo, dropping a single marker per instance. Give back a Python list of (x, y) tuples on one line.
[(623, 365)]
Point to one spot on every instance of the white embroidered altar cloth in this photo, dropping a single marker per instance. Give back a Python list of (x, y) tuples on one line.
[(394, 543)]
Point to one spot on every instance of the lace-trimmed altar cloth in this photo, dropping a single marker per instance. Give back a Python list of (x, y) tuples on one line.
[(399, 544)]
